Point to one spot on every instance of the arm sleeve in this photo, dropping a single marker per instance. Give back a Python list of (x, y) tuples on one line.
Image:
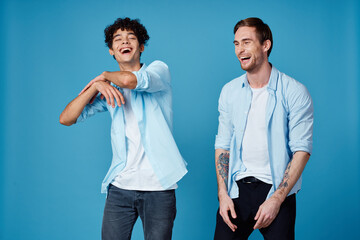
[(301, 118), (99, 105), (225, 129), (155, 78)]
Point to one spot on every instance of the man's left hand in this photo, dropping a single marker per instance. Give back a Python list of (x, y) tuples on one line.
[(267, 212)]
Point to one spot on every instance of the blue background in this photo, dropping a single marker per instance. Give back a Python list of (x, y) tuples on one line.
[(50, 175)]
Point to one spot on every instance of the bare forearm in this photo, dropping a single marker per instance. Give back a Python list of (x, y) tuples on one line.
[(222, 169), (73, 110), (123, 79), (292, 174)]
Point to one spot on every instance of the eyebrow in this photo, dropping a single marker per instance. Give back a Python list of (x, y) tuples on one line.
[(119, 35), (243, 40)]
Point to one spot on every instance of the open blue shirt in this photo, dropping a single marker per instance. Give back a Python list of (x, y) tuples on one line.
[(289, 120), (151, 101)]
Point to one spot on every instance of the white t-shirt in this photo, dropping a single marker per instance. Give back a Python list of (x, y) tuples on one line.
[(255, 154), (138, 173)]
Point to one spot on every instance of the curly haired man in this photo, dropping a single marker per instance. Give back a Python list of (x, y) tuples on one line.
[(146, 164)]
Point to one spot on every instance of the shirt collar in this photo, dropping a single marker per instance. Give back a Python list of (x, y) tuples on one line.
[(143, 67), (272, 80)]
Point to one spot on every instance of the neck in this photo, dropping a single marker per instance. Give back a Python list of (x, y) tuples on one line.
[(130, 66), (259, 77)]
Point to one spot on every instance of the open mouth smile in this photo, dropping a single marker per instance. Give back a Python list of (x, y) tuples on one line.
[(125, 50), (244, 59)]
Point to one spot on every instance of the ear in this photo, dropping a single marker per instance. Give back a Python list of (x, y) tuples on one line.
[(266, 45), (142, 48), (111, 52)]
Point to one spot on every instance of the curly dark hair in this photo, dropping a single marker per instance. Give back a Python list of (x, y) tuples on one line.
[(126, 24)]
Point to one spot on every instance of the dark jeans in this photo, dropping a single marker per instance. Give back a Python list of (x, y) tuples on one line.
[(251, 196), (157, 210)]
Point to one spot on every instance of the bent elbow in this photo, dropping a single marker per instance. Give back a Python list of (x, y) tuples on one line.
[(65, 122), (130, 81), (130, 84)]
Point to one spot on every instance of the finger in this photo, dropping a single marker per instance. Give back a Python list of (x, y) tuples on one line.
[(111, 97), (117, 97), (122, 98), (258, 214), (257, 225), (86, 87), (267, 223), (90, 83), (259, 222), (226, 219), (231, 225), (106, 96), (232, 211)]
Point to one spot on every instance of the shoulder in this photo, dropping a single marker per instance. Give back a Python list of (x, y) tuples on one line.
[(236, 83), (295, 93), (291, 86), (158, 64)]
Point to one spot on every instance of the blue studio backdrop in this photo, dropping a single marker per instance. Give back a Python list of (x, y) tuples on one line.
[(50, 175)]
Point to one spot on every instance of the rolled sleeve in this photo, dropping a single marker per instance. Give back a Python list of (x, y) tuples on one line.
[(301, 118), (99, 105), (225, 129), (155, 78)]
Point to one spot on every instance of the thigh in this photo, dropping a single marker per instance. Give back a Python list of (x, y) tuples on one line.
[(283, 226), (222, 231), (119, 214), (157, 210), (243, 221)]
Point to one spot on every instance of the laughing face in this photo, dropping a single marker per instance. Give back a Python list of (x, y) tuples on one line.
[(248, 49), (125, 47)]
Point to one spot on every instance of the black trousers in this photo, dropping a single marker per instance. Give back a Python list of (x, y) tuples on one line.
[(251, 196)]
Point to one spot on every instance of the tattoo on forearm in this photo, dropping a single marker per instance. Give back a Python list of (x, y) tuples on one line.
[(223, 166), (284, 182)]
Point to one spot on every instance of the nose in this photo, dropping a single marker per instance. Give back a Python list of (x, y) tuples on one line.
[(241, 48), (125, 41)]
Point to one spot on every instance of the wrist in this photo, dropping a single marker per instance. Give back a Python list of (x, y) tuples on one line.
[(279, 197), (105, 76), (93, 87), (222, 193)]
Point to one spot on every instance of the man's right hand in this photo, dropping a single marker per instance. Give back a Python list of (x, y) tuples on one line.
[(226, 205), (109, 92)]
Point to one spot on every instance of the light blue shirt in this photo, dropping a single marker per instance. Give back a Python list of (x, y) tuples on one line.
[(151, 101), (289, 121)]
